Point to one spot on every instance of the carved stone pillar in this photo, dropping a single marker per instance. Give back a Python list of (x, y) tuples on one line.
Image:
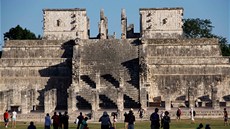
[(191, 98), (167, 99), (3, 104), (120, 100), (72, 100), (98, 80), (50, 101), (143, 97), (123, 24), (215, 101), (95, 101), (103, 25), (24, 106)]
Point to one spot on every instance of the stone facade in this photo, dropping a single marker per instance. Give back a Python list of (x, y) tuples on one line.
[(157, 67), (65, 24)]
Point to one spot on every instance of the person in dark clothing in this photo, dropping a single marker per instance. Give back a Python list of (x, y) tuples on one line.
[(80, 118), (200, 126), (126, 120), (166, 120), (60, 120), (66, 120), (155, 119), (31, 126), (131, 119), (207, 126), (55, 118), (105, 121)]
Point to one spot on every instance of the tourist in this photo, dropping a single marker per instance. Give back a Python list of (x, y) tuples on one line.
[(178, 113), (66, 120), (6, 118), (55, 118), (166, 120), (79, 120), (131, 119), (31, 126), (126, 120), (14, 116), (200, 126), (225, 117), (155, 119), (207, 126), (141, 112), (192, 114), (114, 115), (84, 124), (47, 121), (105, 121), (60, 121), (161, 116)]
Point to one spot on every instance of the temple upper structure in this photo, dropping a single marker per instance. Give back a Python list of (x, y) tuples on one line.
[(65, 24), (161, 22)]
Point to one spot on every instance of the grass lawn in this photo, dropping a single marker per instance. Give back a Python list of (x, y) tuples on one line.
[(183, 124)]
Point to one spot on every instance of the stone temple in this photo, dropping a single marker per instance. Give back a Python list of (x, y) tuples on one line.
[(69, 70)]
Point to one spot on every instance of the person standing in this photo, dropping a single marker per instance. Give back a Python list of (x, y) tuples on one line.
[(155, 119), (84, 124), (141, 112), (114, 115), (55, 118), (105, 121), (192, 115), (6, 117), (178, 113), (60, 120), (47, 121), (126, 120), (66, 120), (131, 119), (80, 119), (166, 120), (14, 116), (225, 117), (31, 126)]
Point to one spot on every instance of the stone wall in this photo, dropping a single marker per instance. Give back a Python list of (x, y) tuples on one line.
[(65, 24), (32, 68), (161, 22)]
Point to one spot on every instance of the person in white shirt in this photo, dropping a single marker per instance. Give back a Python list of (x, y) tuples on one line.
[(14, 117)]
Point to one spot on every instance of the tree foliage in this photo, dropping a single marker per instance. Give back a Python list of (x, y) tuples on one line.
[(19, 33), (202, 28)]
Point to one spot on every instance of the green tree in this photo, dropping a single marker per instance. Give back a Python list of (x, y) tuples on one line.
[(202, 28), (19, 33)]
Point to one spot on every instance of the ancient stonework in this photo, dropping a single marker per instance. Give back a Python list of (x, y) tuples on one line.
[(69, 70)]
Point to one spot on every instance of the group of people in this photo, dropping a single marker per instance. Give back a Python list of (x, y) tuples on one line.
[(61, 121), (7, 117), (157, 122)]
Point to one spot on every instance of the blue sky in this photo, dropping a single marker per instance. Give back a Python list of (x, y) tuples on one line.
[(28, 13)]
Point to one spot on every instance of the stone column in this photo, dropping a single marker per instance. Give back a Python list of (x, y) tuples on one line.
[(191, 98), (50, 101), (72, 100), (120, 100), (95, 101), (143, 96), (167, 99), (120, 92), (3, 105), (103, 25), (123, 24), (215, 101), (24, 106), (98, 81)]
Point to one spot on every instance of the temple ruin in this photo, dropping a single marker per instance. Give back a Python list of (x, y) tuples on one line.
[(69, 70)]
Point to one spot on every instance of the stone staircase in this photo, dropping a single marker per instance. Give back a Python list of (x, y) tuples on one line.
[(40, 65)]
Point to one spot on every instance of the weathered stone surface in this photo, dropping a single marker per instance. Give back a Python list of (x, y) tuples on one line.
[(156, 68)]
